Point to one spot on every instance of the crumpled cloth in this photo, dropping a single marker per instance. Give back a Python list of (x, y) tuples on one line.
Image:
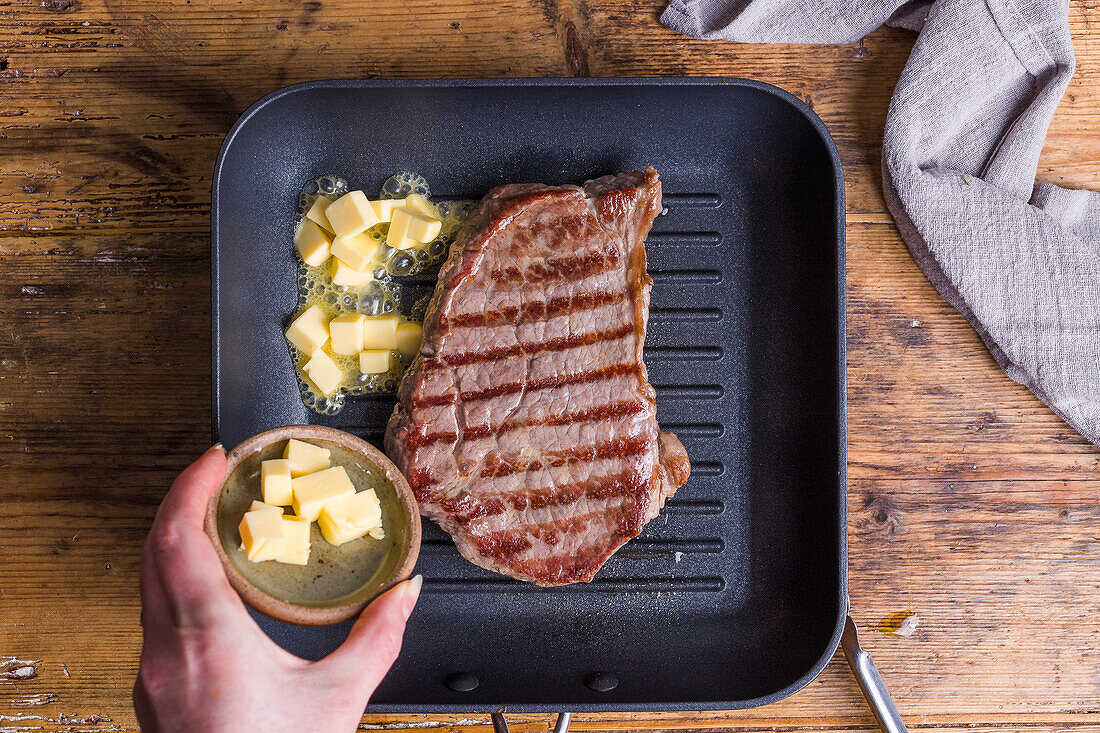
[(960, 150)]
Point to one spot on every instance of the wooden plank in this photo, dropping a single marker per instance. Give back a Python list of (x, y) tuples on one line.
[(925, 397), (979, 531), (727, 724), (103, 338), (993, 569), (119, 325), (111, 114), (971, 504)]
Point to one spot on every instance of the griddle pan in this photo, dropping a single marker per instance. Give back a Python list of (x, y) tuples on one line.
[(736, 595)]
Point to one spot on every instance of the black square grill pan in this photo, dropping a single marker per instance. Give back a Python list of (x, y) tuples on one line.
[(736, 595)]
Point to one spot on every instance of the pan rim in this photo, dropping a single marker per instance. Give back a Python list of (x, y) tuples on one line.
[(842, 432)]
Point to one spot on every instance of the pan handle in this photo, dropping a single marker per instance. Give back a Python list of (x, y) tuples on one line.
[(500, 725), (870, 682), (867, 676)]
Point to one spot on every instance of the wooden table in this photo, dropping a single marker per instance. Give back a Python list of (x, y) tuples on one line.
[(970, 503)]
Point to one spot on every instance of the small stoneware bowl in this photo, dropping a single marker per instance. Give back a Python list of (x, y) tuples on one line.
[(339, 581)]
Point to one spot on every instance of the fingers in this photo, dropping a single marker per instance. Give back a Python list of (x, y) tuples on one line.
[(375, 640), (183, 565), (155, 612), (143, 708), (195, 587)]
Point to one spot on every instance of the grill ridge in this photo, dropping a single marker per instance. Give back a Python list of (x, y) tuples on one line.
[(643, 545), (684, 314), (691, 200), (684, 239), (689, 391), (695, 429), (671, 584), (707, 468), (683, 353), (695, 506), (686, 277)]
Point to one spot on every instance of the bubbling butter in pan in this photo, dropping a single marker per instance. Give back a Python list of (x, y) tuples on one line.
[(373, 290)]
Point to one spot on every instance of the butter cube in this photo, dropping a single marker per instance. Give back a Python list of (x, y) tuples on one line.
[(419, 203), (351, 517), (422, 228), (351, 214), (380, 333), (313, 491), (375, 361), (316, 213), (356, 251), (309, 331), (305, 457), (296, 532), (314, 243), (259, 506), (262, 535), (323, 372), (347, 333), (409, 336), (383, 208), (275, 482), (347, 276), (409, 226)]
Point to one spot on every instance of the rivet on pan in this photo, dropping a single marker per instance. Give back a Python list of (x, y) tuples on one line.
[(461, 681), (601, 681)]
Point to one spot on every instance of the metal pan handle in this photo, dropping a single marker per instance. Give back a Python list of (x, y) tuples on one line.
[(870, 682), (867, 676), (500, 725)]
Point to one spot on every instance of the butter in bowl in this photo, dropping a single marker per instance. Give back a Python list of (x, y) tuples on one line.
[(313, 523)]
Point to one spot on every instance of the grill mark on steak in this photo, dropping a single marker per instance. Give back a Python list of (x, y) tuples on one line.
[(572, 567), (508, 542), (534, 347), (605, 411), (599, 412), (527, 425), (597, 487), (468, 508), (440, 378), (420, 439), (501, 544), (538, 310), (615, 370), (560, 268), (498, 465), (455, 463), (419, 480)]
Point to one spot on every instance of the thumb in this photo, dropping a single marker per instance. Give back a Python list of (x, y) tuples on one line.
[(375, 640)]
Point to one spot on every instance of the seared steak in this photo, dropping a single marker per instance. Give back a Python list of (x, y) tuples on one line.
[(527, 425)]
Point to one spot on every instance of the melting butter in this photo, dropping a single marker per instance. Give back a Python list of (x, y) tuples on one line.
[(379, 297)]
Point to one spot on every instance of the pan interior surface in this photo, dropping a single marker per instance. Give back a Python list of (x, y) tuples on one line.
[(734, 595)]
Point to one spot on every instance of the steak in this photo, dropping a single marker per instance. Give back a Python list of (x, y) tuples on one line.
[(527, 425)]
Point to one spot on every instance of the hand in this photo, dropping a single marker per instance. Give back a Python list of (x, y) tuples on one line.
[(206, 665)]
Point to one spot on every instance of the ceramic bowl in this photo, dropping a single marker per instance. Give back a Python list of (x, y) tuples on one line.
[(339, 581)]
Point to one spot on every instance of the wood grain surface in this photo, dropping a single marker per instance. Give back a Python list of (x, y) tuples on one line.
[(971, 504)]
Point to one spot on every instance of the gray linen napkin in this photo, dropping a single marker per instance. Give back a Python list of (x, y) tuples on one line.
[(966, 125)]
